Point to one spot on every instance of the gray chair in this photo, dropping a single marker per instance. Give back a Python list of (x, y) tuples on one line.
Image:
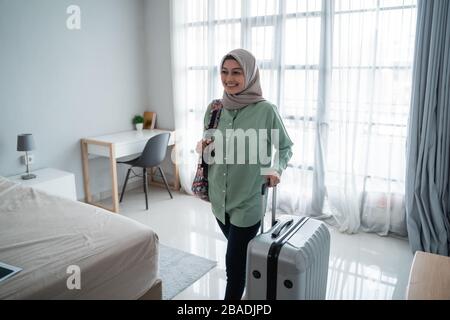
[(152, 156)]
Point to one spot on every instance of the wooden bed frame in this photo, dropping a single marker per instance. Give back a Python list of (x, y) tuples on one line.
[(154, 293)]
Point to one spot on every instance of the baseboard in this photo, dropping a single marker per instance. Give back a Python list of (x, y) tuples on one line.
[(100, 196)]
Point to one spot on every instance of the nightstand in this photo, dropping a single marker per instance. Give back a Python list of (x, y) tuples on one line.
[(429, 277), (53, 181)]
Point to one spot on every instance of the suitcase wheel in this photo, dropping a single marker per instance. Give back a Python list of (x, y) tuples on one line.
[(288, 284)]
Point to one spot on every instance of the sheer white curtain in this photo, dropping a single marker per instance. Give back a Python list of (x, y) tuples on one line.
[(189, 84), (339, 72), (373, 44)]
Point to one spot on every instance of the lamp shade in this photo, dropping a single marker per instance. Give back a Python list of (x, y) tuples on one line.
[(25, 142)]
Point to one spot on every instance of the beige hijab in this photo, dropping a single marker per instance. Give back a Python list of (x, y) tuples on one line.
[(252, 92)]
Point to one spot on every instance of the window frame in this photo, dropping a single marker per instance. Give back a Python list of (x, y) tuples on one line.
[(278, 21)]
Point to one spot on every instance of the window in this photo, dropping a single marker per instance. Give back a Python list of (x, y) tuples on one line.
[(370, 73)]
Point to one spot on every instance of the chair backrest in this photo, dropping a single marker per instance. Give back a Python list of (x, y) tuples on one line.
[(154, 151)]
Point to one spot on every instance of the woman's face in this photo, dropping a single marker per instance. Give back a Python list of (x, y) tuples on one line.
[(232, 76)]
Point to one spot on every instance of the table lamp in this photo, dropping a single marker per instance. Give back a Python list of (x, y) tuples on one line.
[(25, 143)]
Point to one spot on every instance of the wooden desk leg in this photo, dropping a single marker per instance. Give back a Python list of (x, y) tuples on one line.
[(152, 173), (85, 161), (115, 192), (86, 179)]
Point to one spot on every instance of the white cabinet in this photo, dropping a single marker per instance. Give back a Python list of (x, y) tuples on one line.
[(53, 181), (429, 277)]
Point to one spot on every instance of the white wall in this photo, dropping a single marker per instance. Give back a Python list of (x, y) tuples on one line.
[(159, 72), (160, 94), (63, 85)]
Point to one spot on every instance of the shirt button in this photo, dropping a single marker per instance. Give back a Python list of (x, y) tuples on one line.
[(224, 174), (223, 191), (223, 206), (230, 123)]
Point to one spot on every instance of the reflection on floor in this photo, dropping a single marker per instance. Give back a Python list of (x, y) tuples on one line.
[(362, 266)]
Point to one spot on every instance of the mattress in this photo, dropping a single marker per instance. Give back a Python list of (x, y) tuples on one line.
[(52, 238)]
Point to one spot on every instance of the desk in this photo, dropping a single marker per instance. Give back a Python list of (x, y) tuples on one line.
[(429, 278), (118, 145)]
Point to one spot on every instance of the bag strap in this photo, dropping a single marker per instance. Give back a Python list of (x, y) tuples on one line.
[(213, 123), (215, 114)]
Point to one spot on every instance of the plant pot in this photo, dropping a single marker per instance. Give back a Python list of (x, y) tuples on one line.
[(139, 126)]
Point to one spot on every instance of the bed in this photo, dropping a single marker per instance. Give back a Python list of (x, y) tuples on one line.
[(47, 236)]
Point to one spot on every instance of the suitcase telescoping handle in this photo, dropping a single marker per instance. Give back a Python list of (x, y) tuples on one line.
[(264, 188), (276, 232)]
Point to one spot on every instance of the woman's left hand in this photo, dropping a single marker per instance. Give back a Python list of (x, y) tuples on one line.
[(273, 179)]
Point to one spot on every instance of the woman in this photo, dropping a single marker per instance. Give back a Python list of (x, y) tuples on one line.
[(235, 180)]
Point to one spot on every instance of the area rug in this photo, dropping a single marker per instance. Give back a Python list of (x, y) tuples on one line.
[(178, 270)]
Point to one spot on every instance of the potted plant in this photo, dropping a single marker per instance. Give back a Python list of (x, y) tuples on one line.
[(138, 121)]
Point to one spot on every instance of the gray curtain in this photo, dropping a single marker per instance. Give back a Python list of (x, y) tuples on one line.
[(428, 146)]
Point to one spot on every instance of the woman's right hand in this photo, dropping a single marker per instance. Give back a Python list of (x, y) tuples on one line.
[(202, 145)]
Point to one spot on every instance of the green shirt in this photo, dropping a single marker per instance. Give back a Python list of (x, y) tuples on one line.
[(235, 182)]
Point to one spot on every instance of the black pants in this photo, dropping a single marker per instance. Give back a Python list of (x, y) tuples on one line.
[(236, 256)]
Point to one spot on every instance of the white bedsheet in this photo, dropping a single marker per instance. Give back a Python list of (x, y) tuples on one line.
[(45, 234)]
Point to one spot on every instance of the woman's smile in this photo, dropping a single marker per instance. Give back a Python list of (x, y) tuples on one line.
[(232, 75)]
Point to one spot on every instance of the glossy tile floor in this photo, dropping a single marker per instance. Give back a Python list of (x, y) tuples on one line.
[(362, 266)]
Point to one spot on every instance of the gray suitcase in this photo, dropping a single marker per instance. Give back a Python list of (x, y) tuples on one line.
[(290, 260)]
